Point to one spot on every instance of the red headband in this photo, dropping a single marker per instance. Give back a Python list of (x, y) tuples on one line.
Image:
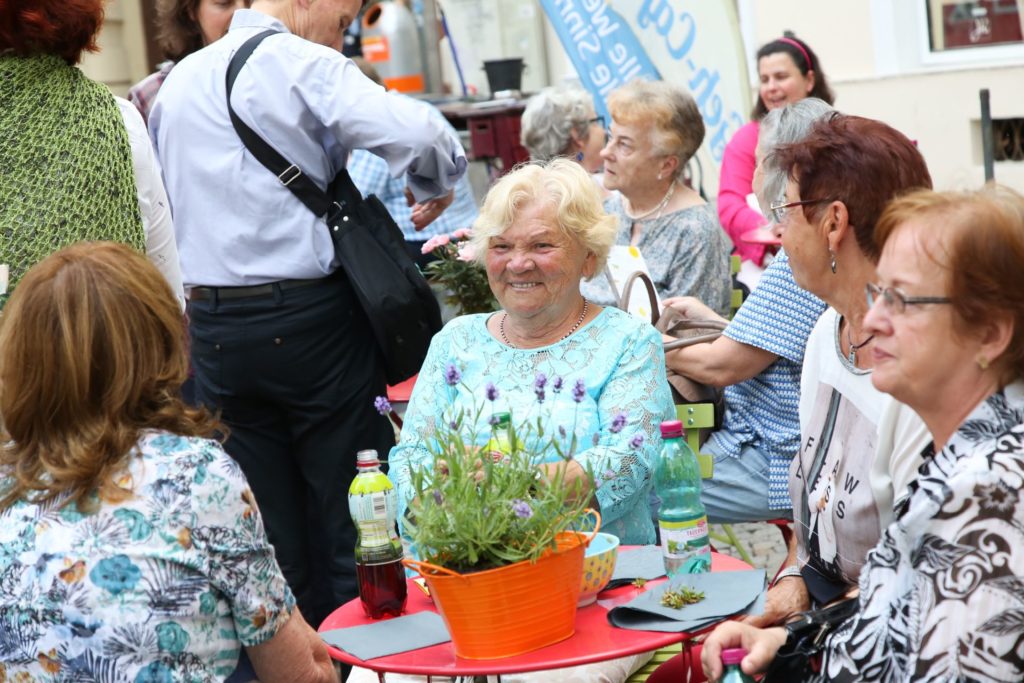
[(807, 57)]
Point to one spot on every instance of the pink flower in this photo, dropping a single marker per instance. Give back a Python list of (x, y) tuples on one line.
[(462, 234), (467, 252), (435, 242)]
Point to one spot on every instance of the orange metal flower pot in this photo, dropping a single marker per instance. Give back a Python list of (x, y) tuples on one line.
[(514, 609)]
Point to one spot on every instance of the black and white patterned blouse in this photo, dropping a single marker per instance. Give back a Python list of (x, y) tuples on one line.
[(942, 594)]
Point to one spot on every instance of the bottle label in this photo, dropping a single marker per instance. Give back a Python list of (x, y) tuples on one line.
[(375, 514), (686, 540)]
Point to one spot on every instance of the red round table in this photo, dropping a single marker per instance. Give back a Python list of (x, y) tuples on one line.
[(595, 640)]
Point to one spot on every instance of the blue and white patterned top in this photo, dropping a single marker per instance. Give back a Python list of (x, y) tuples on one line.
[(167, 585), (371, 175), (620, 361), (686, 252), (763, 411)]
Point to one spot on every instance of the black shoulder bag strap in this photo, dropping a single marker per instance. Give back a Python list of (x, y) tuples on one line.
[(290, 175)]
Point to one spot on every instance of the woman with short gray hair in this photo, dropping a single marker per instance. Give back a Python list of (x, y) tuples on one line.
[(656, 129), (561, 122), (782, 126)]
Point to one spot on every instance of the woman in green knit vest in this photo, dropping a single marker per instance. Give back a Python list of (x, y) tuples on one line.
[(75, 162)]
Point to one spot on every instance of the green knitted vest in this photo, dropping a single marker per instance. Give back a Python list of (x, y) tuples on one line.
[(65, 164)]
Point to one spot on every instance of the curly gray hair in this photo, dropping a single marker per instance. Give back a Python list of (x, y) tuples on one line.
[(549, 119)]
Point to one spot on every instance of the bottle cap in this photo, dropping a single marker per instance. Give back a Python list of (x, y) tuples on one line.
[(733, 655), (671, 429), (367, 458)]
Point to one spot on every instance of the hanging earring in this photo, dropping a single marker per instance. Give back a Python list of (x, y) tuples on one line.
[(579, 156), (982, 362), (832, 264), (659, 176)]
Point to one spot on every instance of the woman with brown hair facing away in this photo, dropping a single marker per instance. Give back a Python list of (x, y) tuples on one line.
[(132, 543)]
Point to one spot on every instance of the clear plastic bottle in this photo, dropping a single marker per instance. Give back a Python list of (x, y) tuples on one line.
[(372, 504), (731, 664), (682, 519)]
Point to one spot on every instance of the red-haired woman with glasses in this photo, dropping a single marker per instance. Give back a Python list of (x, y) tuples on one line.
[(940, 592)]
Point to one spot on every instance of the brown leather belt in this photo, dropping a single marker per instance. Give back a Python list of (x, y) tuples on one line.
[(204, 293)]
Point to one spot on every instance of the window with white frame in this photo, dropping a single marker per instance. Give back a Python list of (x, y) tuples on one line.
[(956, 25)]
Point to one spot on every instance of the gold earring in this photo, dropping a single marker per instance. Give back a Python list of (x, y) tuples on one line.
[(982, 362)]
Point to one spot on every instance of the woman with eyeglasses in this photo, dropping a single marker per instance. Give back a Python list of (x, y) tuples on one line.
[(858, 450), (656, 128), (789, 71), (561, 122), (940, 592)]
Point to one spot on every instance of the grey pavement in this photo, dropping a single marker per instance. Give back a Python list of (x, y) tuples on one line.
[(762, 540)]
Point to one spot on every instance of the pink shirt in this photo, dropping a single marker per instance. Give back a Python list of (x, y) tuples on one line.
[(734, 184)]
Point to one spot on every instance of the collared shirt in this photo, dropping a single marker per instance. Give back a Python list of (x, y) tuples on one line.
[(236, 224), (143, 93), (370, 174), (763, 411)]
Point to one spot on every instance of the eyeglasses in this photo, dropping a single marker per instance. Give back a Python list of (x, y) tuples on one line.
[(599, 120), (896, 301), (780, 208)]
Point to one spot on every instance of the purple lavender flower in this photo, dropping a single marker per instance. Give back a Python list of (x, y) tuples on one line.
[(451, 375), (618, 422), (608, 474), (453, 425), (438, 498), (493, 420), (579, 390), (637, 441), (595, 439), (561, 431), (522, 509), (556, 385), (492, 392), (382, 405), (538, 386)]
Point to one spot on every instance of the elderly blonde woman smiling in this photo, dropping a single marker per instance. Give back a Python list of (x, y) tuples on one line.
[(582, 369)]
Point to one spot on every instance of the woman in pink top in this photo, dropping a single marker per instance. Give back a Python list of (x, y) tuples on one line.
[(789, 71)]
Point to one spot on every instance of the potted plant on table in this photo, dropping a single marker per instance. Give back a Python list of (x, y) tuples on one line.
[(496, 536)]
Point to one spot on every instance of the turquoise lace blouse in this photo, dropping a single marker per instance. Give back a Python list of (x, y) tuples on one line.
[(614, 365)]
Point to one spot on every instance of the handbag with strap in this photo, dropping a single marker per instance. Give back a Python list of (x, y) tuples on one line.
[(369, 246), (686, 332)]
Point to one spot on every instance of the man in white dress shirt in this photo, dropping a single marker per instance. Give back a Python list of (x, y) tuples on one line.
[(279, 342)]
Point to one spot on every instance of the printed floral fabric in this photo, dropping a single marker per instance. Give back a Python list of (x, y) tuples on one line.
[(620, 367), (165, 586), (942, 594)]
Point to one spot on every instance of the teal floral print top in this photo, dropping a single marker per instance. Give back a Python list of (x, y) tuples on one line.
[(165, 586)]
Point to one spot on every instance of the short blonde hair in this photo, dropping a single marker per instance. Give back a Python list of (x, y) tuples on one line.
[(561, 184), (92, 354), (671, 114)]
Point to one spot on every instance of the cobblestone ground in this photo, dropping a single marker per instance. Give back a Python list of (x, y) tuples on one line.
[(762, 540)]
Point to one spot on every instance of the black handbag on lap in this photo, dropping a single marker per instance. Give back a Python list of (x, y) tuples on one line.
[(397, 300)]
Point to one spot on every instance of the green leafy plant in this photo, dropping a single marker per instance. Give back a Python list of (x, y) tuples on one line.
[(681, 597), (478, 508), (457, 270)]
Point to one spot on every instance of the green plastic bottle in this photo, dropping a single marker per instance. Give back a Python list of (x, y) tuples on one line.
[(372, 504), (499, 446), (731, 663)]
